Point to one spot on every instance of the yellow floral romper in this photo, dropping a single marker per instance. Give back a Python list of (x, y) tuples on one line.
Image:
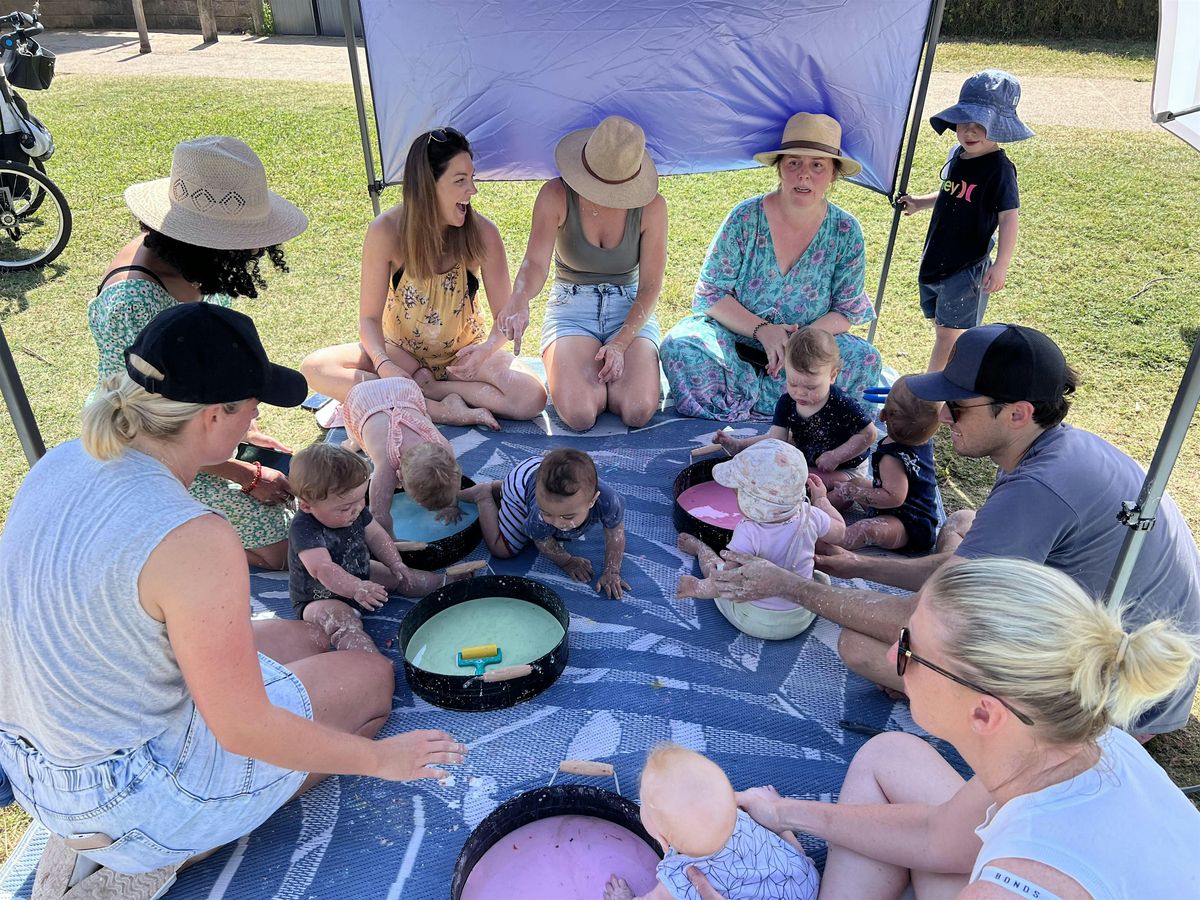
[(433, 319)]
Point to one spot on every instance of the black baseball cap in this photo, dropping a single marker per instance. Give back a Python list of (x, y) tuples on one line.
[(1005, 362), (210, 354)]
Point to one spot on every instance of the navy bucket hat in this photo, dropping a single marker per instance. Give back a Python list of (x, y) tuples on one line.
[(989, 98)]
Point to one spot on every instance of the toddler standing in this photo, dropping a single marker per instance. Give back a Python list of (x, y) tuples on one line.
[(977, 196), (549, 500), (779, 525), (341, 562), (901, 497), (831, 429), (688, 806)]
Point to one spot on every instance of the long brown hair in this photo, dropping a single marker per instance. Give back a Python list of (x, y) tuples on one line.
[(422, 238)]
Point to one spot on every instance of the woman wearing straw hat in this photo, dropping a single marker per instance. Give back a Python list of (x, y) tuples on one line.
[(781, 260), (205, 230), (152, 719), (606, 224), (1031, 681), (419, 313)]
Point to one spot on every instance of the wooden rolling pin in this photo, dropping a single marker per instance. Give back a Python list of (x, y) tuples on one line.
[(585, 767), (406, 546), (463, 568), (707, 449)]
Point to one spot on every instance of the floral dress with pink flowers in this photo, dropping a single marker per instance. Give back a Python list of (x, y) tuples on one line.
[(699, 358)]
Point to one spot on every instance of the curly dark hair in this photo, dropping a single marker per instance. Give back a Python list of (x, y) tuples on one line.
[(232, 272)]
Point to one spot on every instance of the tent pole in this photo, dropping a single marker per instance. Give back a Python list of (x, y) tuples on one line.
[(374, 188), (1140, 515), (914, 129), (18, 405)]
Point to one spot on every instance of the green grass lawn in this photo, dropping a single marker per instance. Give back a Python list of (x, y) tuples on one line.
[(1108, 259), (1070, 59)]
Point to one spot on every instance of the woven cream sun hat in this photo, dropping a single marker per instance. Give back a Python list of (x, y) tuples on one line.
[(811, 134), (216, 196), (609, 164)]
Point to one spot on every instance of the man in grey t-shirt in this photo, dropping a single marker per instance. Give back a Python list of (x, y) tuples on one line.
[(1055, 501)]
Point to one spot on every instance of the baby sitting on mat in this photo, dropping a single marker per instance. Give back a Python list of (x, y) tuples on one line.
[(552, 499), (341, 562), (387, 417), (689, 807), (779, 524)]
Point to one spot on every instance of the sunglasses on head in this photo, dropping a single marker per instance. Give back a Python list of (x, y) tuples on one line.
[(904, 654), (954, 407), (443, 134)]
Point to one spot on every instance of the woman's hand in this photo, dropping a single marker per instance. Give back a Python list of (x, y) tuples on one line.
[(702, 885), (272, 487), (406, 756), (612, 359), (262, 439), (838, 562), (752, 578), (761, 805), (774, 339), (512, 323), (389, 368), (828, 461), (468, 362)]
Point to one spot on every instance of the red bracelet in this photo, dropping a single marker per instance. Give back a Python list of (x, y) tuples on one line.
[(255, 480)]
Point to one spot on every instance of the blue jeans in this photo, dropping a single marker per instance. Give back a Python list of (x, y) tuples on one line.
[(591, 310), (959, 300), (177, 795)]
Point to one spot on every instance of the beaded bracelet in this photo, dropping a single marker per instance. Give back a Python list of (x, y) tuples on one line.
[(255, 480), (754, 333)]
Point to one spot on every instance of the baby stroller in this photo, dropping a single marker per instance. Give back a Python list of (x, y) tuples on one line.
[(35, 221)]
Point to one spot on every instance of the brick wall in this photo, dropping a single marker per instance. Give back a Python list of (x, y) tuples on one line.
[(117, 15)]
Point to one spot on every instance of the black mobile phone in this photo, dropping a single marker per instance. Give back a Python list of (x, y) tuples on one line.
[(756, 356), (272, 459)]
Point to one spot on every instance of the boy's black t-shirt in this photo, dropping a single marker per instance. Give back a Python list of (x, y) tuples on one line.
[(830, 426), (967, 211), (347, 547)]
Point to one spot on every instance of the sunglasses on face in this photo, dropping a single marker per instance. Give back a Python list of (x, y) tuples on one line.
[(954, 407), (904, 654)]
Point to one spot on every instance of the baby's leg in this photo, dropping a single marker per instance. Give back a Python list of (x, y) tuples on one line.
[(486, 496), (834, 478), (887, 532), (341, 624), (690, 585)]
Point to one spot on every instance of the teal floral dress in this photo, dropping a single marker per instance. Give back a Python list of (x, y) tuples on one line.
[(115, 317), (699, 357)]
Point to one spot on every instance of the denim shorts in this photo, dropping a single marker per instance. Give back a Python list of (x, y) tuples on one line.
[(959, 300), (591, 310), (177, 795)]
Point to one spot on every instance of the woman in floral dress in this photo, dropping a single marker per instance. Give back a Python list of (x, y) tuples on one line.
[(781, 260)]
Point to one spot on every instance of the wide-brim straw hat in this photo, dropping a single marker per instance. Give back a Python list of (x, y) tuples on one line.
[(216, 197), (609, 164), (811, 134), (990, 98)]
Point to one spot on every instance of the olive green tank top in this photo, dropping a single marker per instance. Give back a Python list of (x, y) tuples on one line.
[(578, 261)]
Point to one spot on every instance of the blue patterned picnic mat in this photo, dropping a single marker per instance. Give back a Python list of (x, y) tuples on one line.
[(644, 669)]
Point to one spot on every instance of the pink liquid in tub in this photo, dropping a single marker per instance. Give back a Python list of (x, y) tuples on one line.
[(712, 503), (561, 858)]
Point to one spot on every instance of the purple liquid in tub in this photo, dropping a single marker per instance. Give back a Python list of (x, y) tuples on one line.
[(713, 504), (561, 858)]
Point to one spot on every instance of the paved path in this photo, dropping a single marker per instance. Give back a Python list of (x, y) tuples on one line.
[(1110, 104)]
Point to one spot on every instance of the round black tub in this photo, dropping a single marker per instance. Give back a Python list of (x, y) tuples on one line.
[(447, 550), (698, 473), (545, 803), (503, 685)]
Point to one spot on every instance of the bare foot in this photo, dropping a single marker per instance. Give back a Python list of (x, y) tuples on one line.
[(351, 444), (617, 889), (689, 543), (688, 586), (456, 412)]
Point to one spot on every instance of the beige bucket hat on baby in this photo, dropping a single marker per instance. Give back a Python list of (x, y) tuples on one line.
[(770, 479)]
